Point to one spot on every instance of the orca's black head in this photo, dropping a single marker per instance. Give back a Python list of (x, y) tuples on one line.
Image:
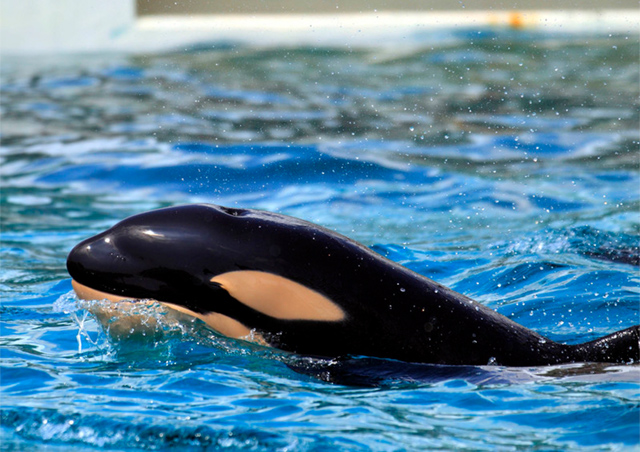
[(207, 259), (167, 254)]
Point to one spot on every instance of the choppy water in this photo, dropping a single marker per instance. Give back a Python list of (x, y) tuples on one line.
[(502, 164)]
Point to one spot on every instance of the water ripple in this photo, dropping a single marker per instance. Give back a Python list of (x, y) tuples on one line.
[(501, 163)]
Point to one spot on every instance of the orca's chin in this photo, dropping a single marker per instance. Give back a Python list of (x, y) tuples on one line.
[(220, 323), (87, 293)]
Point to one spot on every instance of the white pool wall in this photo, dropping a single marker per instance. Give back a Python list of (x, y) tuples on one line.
[(50, 27)]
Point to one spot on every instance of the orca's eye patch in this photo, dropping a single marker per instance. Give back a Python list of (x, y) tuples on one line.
[(278, 297)]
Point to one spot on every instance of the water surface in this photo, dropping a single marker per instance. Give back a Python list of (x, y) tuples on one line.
[(502, 164)]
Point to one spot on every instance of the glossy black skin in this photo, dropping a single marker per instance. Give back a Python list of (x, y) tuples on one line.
[(391, 312)]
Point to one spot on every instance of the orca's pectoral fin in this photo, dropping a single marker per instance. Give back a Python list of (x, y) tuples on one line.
[(621, 347)]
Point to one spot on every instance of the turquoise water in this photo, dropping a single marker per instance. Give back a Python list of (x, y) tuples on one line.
[(504, 165)]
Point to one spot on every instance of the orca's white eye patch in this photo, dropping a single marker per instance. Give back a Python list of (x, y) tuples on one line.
[(278, 297)]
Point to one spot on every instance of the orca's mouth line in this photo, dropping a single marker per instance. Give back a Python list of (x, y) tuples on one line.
[(87, 293), (220, 323)]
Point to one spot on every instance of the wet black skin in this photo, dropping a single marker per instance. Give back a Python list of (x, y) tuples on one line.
[(172, 254)]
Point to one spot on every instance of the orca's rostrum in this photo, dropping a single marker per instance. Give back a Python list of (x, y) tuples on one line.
[(290, 284)]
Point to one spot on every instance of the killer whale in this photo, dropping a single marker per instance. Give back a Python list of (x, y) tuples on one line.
[(299, 287)]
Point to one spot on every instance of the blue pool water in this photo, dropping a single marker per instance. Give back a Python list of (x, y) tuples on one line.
[(502, 164)]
